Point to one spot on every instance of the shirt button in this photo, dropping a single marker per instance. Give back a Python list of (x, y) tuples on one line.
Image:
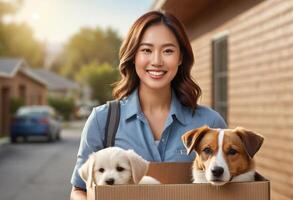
[(163, 140)]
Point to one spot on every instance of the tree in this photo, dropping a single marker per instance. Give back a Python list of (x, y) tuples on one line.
[(9, 8), (88, 46), (100, 79), (16, 40)]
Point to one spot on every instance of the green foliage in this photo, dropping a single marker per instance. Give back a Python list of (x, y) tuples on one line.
[(15, 103), (64, 106), (99, 78), (87, 46), (16, 40)]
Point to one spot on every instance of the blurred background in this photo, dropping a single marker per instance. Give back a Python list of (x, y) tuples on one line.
[(64, 55)]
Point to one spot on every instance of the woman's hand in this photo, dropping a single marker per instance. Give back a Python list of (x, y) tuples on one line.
[(77, 194)]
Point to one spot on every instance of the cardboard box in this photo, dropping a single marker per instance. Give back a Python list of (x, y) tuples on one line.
[(176, 185)]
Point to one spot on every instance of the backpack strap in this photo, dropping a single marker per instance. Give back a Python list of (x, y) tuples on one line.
[(112, 123)]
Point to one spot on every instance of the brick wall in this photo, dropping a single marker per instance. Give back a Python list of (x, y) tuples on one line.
[(260, 46), (35, 93)]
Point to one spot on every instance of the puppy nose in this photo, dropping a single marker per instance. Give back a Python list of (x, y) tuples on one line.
[(217, 171), (110, 181)]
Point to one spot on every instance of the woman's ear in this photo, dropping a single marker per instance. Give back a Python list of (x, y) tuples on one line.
[(139, 166)]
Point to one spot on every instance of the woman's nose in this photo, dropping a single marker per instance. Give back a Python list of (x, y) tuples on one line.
[(157, 59)]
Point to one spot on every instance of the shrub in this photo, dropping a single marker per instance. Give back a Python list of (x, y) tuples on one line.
[(15, 103), (64, 106)]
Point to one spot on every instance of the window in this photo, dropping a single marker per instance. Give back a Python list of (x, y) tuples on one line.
[(220, 75), (22, 93)]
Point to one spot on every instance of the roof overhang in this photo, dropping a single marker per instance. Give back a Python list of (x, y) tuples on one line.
[(23, 68), (184, 10), (31, 75), (21, 63)]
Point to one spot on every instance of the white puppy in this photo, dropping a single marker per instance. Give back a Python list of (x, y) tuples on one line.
[(113, 165)]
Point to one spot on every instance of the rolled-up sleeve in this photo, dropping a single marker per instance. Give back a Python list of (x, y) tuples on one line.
[(91, 141)]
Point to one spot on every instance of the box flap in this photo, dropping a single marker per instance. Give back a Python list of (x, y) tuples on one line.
[(172, 172)]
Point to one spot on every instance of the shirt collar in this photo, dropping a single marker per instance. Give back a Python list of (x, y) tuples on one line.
[(177, 108), (133, 106)]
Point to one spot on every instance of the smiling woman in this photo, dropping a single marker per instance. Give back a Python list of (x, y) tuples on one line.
[(157, 97)]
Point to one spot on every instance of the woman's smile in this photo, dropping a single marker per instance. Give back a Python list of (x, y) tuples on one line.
[(156, 74)]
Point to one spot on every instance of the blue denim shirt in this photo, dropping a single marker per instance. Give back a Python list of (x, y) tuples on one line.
[(134, 132)]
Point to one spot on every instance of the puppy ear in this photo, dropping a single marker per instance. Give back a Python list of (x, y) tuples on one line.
[(252, 141), (86, 171), (139, 166), (191, 138)]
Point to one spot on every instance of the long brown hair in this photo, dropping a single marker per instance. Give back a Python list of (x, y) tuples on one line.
[(185, 88)]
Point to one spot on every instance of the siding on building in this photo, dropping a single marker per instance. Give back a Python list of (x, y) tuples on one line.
[(260, 78), (35, 94)]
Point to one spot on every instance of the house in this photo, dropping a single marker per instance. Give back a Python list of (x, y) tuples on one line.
[(243, 63), (16, 81), (32, 86), (57, 85)]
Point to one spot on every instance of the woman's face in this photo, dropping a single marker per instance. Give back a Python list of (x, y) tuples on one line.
[(157, 58)]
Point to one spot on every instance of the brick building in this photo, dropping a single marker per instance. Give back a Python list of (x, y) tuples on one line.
[(17, 81), (243, 63)]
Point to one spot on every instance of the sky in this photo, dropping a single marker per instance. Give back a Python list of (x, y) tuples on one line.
[(54, 21)]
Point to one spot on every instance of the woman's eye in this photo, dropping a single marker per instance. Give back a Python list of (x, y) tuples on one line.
[(146, 51), (101, 170), (208, 151), (169, 51), (232, 152), (119, 169)]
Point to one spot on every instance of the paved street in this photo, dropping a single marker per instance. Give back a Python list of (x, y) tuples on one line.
[(39, 170)]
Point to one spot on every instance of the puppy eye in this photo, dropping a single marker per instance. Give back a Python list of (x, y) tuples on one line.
[(232, 152), (208, 150), (101, 170), (119, 169)]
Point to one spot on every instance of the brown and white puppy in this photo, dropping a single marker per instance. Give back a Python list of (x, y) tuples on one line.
[(113, 165), (222, 155)]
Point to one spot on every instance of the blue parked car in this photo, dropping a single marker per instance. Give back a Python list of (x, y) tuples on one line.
[(35, 121)]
